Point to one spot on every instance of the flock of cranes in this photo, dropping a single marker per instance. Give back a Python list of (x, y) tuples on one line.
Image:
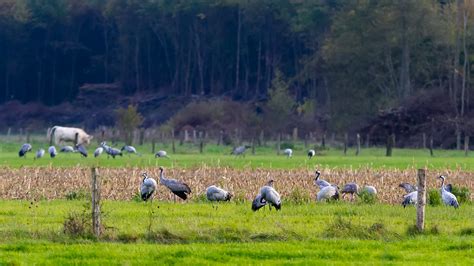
[(267, 194)]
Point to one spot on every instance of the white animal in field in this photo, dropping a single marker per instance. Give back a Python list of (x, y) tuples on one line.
[(311, 154), (98, 151), (39, 153), (24, 149), (59, 134), (161, 154), (288, 152), (214, 193)]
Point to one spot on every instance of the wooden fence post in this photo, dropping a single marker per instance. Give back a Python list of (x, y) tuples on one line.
[(420, 206), (367, 141), (173, 148), (323, 141), (466, 145), (346, 139), (95, 199), (390, 142), (431, 146), (278, 143), (358, 144)]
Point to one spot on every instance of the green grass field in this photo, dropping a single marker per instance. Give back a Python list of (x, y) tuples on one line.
[(198, 233), (265, 157)]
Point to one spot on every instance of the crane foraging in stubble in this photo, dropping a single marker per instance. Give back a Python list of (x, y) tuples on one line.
[(214, 193), (148, 187), (178, 188), (267, 195)]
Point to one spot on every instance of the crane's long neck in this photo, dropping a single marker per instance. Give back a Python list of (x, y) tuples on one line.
[(162, 177), (442, 184), (317, 175)]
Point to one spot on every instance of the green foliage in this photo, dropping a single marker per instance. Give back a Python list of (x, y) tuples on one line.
[(77, 195), (299, 196), (77, 224), (434, 197), (128, 119), (280, 103), (367, 198), (462, 194)]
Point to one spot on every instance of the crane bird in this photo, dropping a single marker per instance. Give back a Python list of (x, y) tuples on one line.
[(129, 149), (215, 193), (24, 149), (311, 154), (240, 150), (258, 202), (110, 151), (39, 153), (320, 182), (410, 198), (408, 187), (327, 193), (81, 149), (268, 195), (98, 151), (161, 154), (52, 151), (288, 152), (350, 188), (448, 197), (369, 189), (148, 187), (178, 188), (67, 149)]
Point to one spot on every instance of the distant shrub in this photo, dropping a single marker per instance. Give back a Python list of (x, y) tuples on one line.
[(299, 196), (137, 197), (287, 145), (413, 231), (434, 197), (367, 198), (462, 194), (201, 198), (342, 228), (77, 224), (77, 195), (467, 231)]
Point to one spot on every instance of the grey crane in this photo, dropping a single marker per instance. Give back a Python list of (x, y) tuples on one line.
[(39, 153), (98, 151), (408, 187), (369, 189), (214, 193), (148, 187), (320, 182), (81, 149), (350, 188), (24, 149), (258, 202), (327, 193), (113, 152), (270, 195), (410, 198), (240, 150), (52, 151), (67, 149), (448, 197), (178, 188), (161, 154), (311, 154), (130, 150), (288, 152)]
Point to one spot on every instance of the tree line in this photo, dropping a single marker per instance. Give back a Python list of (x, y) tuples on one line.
[(347, 59)]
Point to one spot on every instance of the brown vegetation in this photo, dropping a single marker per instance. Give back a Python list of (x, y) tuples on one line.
[(123, 183)]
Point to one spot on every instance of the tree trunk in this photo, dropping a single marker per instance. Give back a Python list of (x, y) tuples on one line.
[(237, 59), (346, 140), (466, 145), (405, 86), (358, 144), (390, 142)]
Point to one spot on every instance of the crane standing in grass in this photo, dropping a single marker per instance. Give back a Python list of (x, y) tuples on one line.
[(178, 188), (448, 197), (39, 153), (52, 151), (24, 149), (350, 188), (288, 152), (311, 154), (267, 195), (161, 154), (240, 151)]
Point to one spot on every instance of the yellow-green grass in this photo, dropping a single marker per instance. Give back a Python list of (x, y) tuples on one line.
[(200, 232), (188, 155)]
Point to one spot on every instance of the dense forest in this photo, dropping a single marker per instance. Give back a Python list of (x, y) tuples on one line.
[(347, 59)]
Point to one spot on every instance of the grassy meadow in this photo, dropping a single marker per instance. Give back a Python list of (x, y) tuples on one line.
[(204, 233), (187, 155), (57, 231)]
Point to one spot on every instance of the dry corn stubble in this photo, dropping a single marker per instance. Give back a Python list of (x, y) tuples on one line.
[(123, 183)]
